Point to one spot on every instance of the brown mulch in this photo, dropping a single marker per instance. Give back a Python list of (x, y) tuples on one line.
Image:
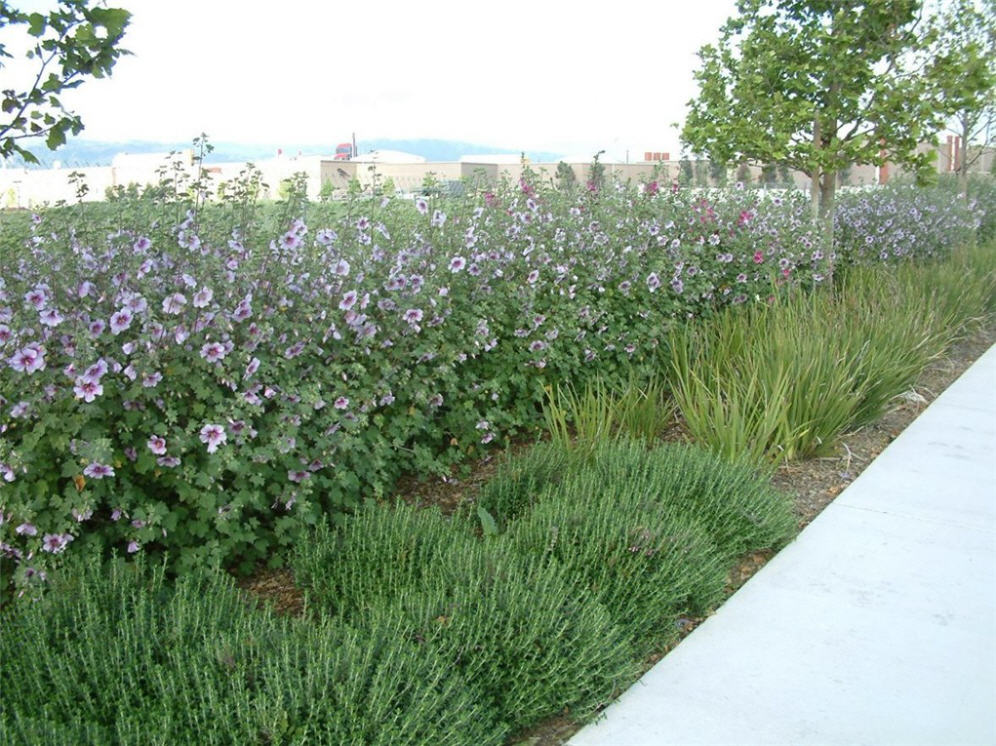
[(812, 483)]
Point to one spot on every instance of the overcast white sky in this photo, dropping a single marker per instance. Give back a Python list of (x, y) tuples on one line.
[(566, 77)]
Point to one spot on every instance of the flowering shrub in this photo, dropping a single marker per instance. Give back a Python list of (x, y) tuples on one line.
[(902, 221), (180, 376)]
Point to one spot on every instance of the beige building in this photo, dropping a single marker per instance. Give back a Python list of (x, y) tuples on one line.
[(30, 188)]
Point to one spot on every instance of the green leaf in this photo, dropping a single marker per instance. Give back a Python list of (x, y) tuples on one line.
[(488, 525)]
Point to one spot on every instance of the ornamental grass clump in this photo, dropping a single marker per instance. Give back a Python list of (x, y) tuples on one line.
[(770, 383), (524, 633), (112, 654), (597, 412)]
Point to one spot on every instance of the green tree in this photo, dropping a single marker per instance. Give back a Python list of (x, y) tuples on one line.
[(67, 45), (966, 46), (565, 177), (817, 85)]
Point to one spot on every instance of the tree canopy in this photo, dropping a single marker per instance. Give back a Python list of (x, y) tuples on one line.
[(67, 45), (821, 85)]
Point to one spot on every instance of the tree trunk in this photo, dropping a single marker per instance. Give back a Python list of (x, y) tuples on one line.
[(828, 193)]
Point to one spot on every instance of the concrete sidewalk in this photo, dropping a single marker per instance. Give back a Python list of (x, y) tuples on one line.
[(877, 625)]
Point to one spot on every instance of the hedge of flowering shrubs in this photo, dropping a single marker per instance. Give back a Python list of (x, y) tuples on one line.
[(903, 221), (178, 379)]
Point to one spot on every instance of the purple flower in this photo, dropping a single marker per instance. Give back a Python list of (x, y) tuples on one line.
[(203, 297), (653, 281), (37, 298), (341, 268), (51, 317), (341, 403), (26, 529), (413, 315), (348, 300), (142, 245), (252, 367), (133, 546), (173, 304), (157, 445), (87, 389), (97, 470), (213, 436), (55, 543), (168, 462), (28, 359), (533, 277), (438, 218), (213, 352), (120, 321), (421, 205), (298, 476), (457, 263), (242, 311), (151, 380)]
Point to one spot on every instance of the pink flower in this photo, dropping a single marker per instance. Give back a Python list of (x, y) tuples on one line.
[(157, 444), (213, 436), (758, 257), (341, 403)]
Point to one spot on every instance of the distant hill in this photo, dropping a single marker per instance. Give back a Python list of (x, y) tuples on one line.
[(80, 153)]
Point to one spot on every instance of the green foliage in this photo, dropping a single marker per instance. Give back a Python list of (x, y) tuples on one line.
[(115, 655), (520, 479), (72, 42)]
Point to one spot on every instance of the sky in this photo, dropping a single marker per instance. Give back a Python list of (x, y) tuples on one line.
[(544, 75)]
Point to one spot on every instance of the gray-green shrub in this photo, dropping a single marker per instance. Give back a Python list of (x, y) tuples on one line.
[(525, 633), (115, 655)]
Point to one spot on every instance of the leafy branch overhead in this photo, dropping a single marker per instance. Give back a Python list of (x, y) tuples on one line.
[(820, 86), (67, 45)]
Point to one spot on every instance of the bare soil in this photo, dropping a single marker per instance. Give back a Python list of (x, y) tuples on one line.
[(812, 484)]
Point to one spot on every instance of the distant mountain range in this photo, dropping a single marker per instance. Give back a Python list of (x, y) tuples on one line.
[(79, 153)]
